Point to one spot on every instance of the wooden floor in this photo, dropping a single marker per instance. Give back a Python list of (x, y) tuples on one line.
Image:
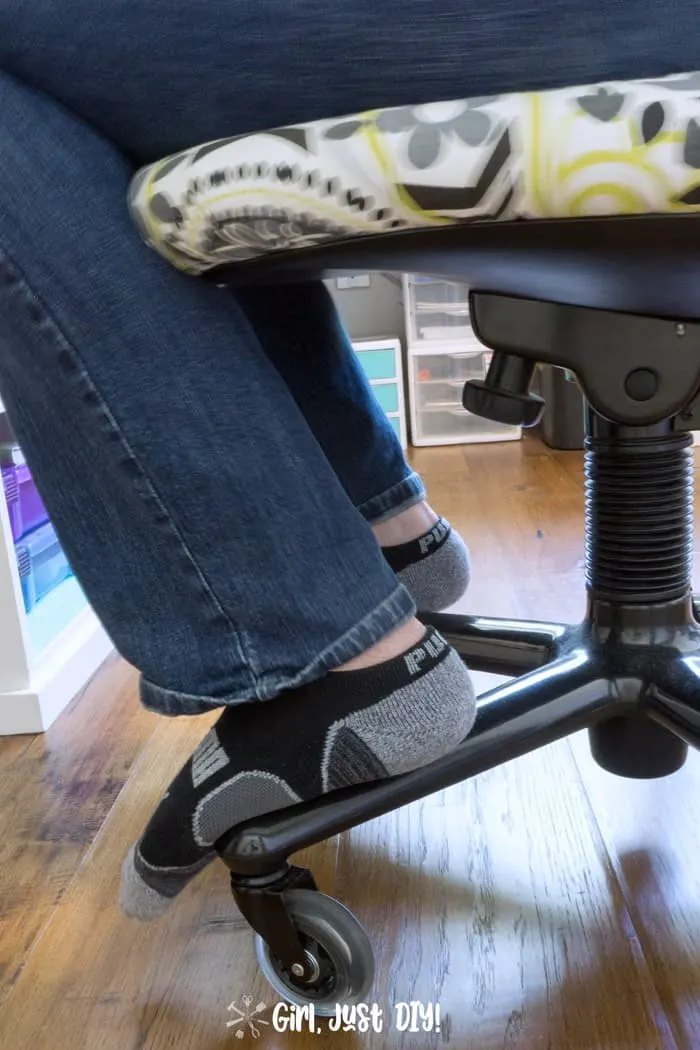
[(544, 905)]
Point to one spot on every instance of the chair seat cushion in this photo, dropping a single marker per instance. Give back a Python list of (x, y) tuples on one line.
[(627, 148)]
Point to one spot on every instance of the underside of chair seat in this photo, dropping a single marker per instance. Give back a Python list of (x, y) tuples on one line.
[(611, 149)]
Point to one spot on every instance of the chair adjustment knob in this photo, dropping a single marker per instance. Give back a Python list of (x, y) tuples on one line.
[(504, 406), (505, 393)]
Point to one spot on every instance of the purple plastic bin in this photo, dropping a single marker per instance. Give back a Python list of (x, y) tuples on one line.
[(24, 503)]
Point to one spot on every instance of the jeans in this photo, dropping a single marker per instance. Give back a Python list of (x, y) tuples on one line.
[(212, 460)]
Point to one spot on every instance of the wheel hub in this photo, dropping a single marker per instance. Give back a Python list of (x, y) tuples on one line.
[(313, 968)]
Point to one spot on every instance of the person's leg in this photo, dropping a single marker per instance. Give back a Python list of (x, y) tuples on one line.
[(301, 332), (160, 76), (255, 65), (203, 519), (213, 77), (183, 483)]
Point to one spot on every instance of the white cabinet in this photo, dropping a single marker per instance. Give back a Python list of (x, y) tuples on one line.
[(443, 353), (46, 655)]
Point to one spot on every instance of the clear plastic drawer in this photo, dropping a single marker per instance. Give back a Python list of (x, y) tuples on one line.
[(454, 423), (438, 310)]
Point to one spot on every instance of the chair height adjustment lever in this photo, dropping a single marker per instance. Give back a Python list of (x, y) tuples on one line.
[(505, 393)]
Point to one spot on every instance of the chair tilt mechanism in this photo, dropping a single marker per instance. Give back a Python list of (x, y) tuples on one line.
[(588, 260)]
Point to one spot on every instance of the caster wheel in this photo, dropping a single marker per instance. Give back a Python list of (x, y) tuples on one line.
[(337, 948)]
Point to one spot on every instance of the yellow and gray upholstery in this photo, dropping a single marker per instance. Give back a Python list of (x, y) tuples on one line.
[(630, 148)]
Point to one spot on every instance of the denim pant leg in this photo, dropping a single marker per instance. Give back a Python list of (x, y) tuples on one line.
[(201, 515), (302, 334), (162, 75)]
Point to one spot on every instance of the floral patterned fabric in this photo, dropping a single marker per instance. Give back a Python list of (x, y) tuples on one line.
[(611, 149)]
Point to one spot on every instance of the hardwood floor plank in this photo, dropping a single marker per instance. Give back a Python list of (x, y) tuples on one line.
[(652, 832), (56, 790), (97, 979), (499, 905), (531, 902)]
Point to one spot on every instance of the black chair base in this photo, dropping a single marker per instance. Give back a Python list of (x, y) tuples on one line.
[(631, 677), (639, 699), (635, 697), (629, 673)]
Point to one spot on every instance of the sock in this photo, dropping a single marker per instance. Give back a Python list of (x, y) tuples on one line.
[(346, 728), (435, 568)]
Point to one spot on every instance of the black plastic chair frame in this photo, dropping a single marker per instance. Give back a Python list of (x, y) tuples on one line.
[(618, 302)]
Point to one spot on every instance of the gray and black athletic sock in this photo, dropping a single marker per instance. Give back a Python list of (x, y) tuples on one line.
[(346, 728), (435, 568)]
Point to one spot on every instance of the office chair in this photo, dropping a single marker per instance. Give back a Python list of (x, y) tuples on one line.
[(571, 216)]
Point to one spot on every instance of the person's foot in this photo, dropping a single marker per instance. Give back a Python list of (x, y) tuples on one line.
[(427, 555), (346, 728)]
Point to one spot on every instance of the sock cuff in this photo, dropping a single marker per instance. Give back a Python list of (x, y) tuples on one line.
[(354, 690), (402, 555)]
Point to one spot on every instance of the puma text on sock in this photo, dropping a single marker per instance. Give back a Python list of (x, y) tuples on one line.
[(435, 568)]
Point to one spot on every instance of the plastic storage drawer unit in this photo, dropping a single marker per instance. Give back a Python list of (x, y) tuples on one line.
[(437, 309), (42, 564), (378, 364), (436, 383), (380, 360), (24, 503)]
